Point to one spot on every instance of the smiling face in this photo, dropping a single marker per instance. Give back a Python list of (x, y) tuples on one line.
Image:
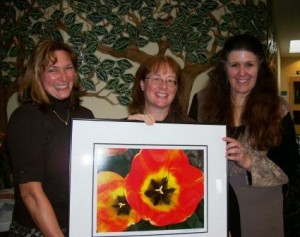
[(242, 67), (59, 76), (159, 96)]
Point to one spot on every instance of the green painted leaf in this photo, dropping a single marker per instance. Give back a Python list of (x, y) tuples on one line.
[(117, 29), (136, 5), (30, 43), (107, 64), (82, 7), (195, 20), (128, 78), (109, 39), (76, 40), (145, 11), (149, 22), (111, 3), (127, 93), (104, 10), (232, 7), (13, 72), (95, 17), (192, 57), (192, 36), (57, 15), (201, 13), (121, 44), (88, 84), (150, 3), (50, 24), (114, 19), (91, 47), (210, 22), (44, 3), (140, 42), (100, 30), (210, 6), (131, 30), (205, 38), (123, 9), (124, 100), (191, 47), (3, 51), (25, 21), (167, 7), (75, 28), (101, 75), (121, 88), (56, 35), (192, 4), (6, 80), (204, 29), (91, 59), (21, 4), (224, 2), (37, 27), (184, 9), (124, 64), (23, 32), (176, 48), (14, 51), (4, 66), (116, 72), (203, 58), (227, 18), (112, 84), (90, 36), (36, 13), (70, 18), (86, 69)]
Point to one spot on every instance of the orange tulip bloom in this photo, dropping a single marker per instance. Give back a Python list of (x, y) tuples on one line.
[(163, 187), (113, 210)]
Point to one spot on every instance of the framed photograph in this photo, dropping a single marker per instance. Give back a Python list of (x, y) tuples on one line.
[(132, 179)]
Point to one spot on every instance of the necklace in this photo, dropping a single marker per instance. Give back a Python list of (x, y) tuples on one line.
[(66, 122)]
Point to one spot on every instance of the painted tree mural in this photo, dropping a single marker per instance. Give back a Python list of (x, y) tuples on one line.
[(110, 36)]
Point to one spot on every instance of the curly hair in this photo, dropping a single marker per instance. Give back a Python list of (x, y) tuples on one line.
[(154, 64), (30, 85), (262, 112)]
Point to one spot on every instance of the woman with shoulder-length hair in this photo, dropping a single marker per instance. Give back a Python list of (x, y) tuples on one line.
[(38, 140), (156, 92)]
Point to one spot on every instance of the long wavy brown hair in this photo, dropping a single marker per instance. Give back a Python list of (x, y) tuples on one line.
[(30, 85), (262, 113), (154, 64)]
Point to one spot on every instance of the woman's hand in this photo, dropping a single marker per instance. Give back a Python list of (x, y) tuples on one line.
[(147, 118), (235, 152)]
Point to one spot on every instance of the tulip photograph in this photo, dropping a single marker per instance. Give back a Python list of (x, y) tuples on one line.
[(147, 189)]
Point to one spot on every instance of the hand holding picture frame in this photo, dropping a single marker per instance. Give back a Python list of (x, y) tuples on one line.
[(131, 179)]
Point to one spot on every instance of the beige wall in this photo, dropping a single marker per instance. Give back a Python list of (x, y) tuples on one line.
[(288, 68), (103, 109)]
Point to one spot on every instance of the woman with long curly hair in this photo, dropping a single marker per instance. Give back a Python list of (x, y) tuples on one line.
[(261, 143)]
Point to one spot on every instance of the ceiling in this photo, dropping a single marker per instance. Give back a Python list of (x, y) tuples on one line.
[(287, 23)]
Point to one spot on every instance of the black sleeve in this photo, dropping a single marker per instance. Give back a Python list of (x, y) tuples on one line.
[(25, 142), (286, 155), (193, 112)]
